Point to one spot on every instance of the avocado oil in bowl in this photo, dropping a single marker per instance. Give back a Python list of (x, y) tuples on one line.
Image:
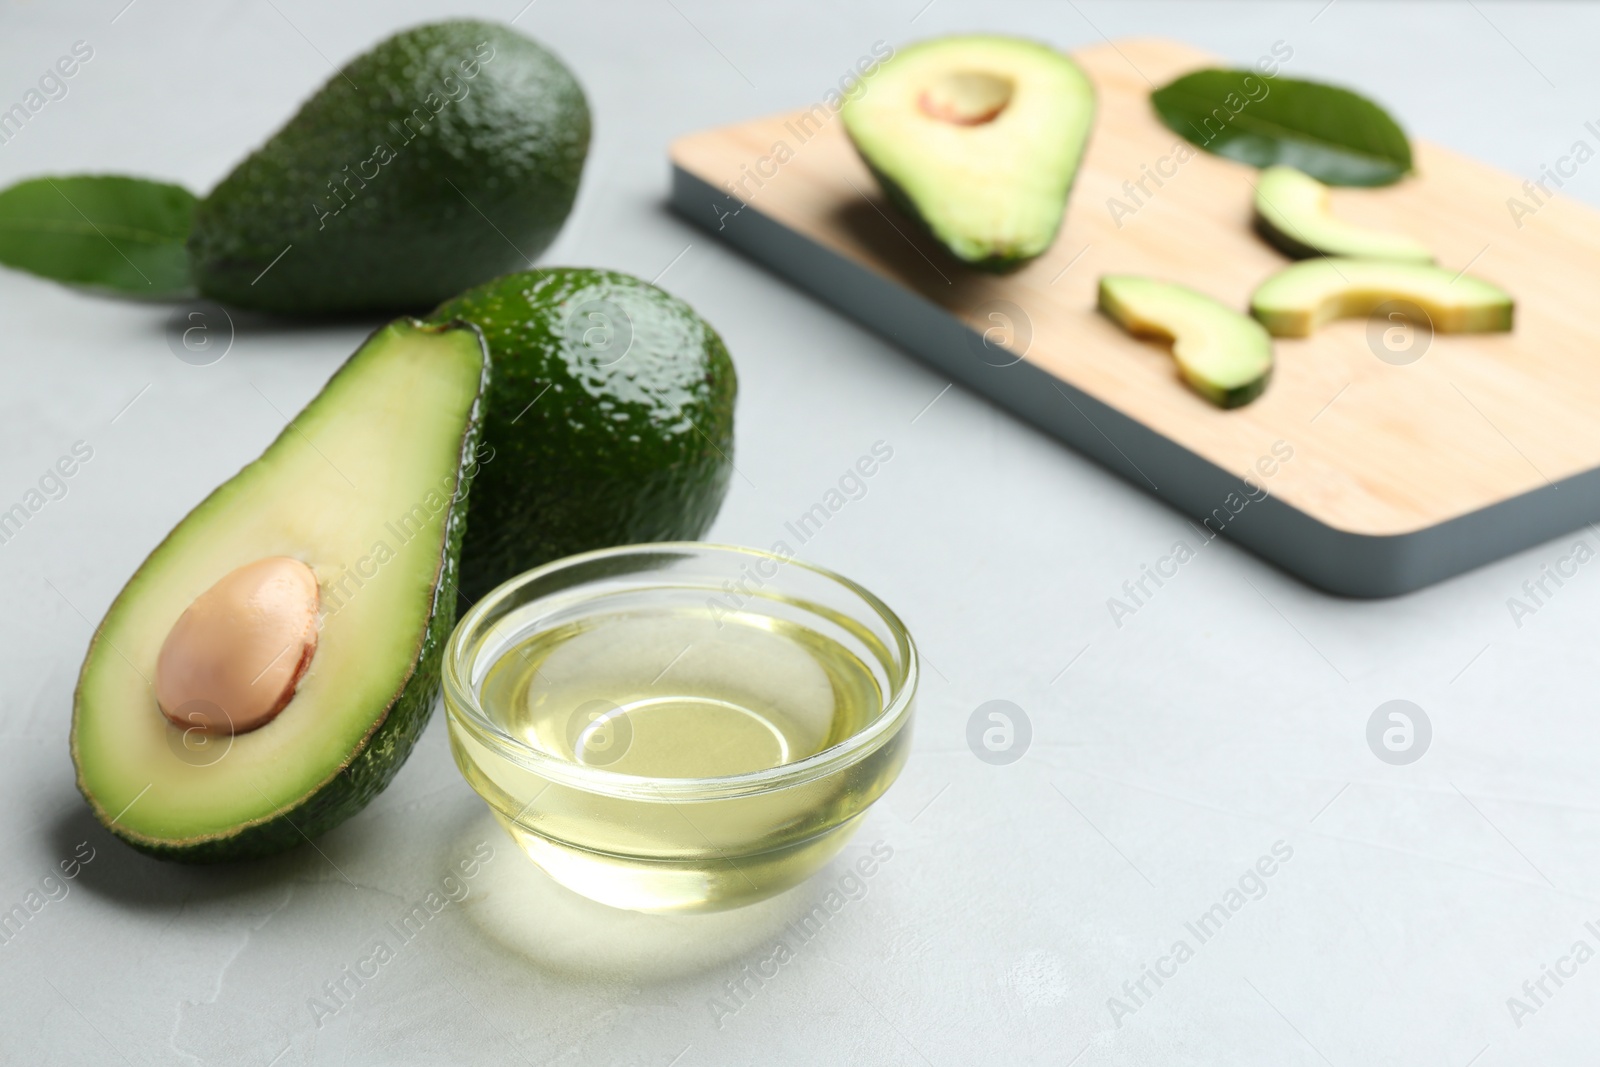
[(680, 727)]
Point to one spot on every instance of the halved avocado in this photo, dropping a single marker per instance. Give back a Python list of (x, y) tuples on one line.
[(979, 139), (1294, 213), (1298, 299), (1225, 356), (365, 488)]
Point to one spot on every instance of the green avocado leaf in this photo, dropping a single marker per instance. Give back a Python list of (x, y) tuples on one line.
[(102, 231), (1334, 135)]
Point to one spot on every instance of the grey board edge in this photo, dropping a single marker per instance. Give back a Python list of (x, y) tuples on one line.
[(1338, 561)]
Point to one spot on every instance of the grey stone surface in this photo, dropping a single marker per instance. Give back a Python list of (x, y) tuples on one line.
[(1170, 755)]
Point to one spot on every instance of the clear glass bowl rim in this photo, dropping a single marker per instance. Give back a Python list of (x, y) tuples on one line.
[(462, 706)]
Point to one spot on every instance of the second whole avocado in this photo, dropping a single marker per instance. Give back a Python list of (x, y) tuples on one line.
[(609, 422), (446, 155)]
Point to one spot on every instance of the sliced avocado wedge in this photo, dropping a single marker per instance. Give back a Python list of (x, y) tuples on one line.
[(1225, 356), (1298, 299), (979, 139), (610, 421), (193, 739), (1294, 213)]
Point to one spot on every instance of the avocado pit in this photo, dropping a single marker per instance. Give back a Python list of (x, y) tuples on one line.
[(235, 656), (966, 97)]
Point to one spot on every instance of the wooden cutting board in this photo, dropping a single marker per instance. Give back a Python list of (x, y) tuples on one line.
[(1413, 457)]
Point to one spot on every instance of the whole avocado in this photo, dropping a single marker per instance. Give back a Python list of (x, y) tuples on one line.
[(446, 155), (609, 422)]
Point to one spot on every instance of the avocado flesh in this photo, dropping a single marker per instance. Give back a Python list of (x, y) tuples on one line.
[(403, 180), (1299, 299), (993, 191), (1226, 357), (400, 421), (1294, 214), (610, 420)]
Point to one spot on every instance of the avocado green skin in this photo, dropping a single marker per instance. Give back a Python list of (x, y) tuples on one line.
[(1241, 395), (585, 455), (995, 264), (1283, 242), (376, 762), (511, 140)]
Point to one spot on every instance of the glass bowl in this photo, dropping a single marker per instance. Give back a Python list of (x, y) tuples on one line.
[(680, 726)]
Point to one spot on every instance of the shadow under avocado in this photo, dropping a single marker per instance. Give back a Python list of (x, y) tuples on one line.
[(921, 261), (113, 869)]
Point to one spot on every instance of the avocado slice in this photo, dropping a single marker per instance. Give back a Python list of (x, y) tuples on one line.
[(610, 421), (1298, 299), (446, 155), (1294, 213), (366, 488), (979, 139), (1225, 356)]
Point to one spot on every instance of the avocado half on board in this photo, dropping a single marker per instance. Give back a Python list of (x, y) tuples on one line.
[(979, 139), (268, 668)]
